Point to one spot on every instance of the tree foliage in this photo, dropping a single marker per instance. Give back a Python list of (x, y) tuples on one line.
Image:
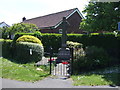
[(18, 28), (23, 27), (4, 32), (101, 16)]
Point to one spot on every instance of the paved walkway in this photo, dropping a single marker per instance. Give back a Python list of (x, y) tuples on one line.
[(46, 83), (49, 82)]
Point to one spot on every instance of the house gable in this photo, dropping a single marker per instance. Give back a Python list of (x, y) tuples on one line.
[(67, 17), (74, 21), (3, 24), (76, 10)]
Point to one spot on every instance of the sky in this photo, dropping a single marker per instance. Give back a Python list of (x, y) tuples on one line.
[(12, 11)]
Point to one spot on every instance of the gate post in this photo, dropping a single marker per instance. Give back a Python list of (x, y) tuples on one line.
[(51, 52), (72, 57)]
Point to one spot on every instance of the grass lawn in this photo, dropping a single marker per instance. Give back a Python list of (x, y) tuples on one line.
[(108, 76), (22, 72)]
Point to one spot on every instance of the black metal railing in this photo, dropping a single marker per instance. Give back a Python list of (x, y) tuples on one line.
[(65, 67)]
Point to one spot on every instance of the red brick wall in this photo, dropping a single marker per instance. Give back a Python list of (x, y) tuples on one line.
[(74, 21), (49, 31)]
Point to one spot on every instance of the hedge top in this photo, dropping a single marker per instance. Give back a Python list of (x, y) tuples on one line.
[(29, 38)]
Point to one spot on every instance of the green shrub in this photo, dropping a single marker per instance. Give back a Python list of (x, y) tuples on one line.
[(71, 44), (36, 34), (94, 58), (26, 52), (97, 56), (94, 33), (20, 52), (51, 40), (1, 40), (6, 48), (17, 35), (28, 38), (107, 41)]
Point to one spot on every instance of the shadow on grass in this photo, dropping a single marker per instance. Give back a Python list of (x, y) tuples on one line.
[(17, 61), (112, 77)]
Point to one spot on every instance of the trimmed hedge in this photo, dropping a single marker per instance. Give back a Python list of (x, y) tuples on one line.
[(29, 38), (28, 52), (20, 52), (36, 34), (51, 40), (107, 41), (6, 48)]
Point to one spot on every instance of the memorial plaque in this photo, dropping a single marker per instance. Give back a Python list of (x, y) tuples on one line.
[(64, 54)]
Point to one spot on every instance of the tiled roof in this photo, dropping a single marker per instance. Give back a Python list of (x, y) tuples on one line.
[(1, 22), (51, 19)]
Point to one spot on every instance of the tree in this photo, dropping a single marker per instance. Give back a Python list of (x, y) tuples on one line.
[(5, 32), (101, 16), (23, 27), (18, 28)]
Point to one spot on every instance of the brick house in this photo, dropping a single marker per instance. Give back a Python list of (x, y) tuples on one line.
[(52, 23)]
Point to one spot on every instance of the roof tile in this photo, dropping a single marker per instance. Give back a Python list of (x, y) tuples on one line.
[(49, 20)]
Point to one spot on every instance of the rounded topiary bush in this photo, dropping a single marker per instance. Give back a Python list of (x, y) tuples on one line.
[(26, 52), (29, 38), (28, 49)]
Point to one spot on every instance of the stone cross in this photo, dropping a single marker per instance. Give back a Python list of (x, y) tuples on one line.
[(65, 25), (64, 52)]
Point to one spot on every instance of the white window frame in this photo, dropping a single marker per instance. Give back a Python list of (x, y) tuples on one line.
[(60, 31)]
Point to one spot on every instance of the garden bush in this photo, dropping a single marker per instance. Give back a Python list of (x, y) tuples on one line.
[(93, 58), (36, 34), (20, 51), (106, 41), (51, 40), (6, 48), (28, 38), (26, 52), (28, 49), (17, 35), (77, 48), (97, 57), (71, 44)]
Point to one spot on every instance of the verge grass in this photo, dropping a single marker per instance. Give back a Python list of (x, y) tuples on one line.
[(109, 76), (22, 72)]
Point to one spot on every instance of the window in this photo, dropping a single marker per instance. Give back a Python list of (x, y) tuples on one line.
[(60, 31)]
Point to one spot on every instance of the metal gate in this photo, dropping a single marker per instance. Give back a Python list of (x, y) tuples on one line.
[(63, 68)]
